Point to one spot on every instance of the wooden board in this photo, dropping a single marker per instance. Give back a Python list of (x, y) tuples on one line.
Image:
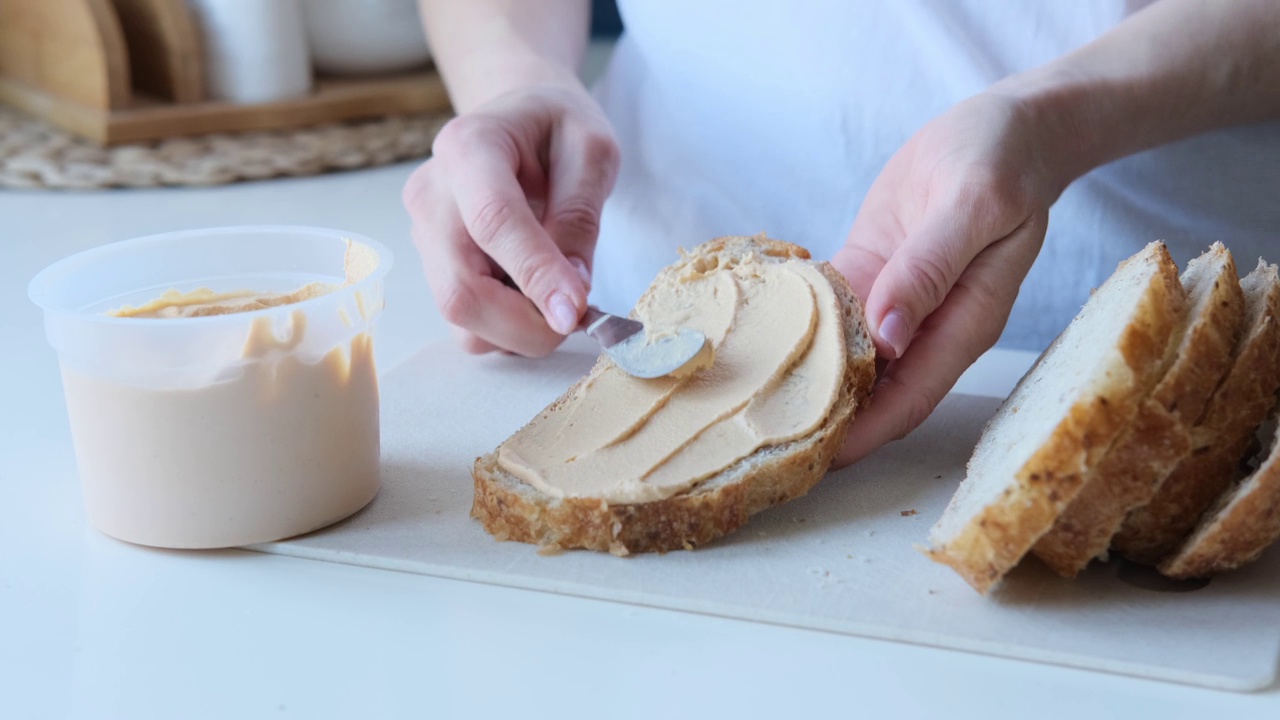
[(841, 559), (164, 48), (150, 119), (72, 51)]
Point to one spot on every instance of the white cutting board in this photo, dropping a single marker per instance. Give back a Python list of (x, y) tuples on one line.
[(841, 559)]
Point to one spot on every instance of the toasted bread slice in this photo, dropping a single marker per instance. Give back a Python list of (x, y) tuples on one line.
[(1220, 440), (511, 509), (1060, 420), (1241, 524), (1150, 448)]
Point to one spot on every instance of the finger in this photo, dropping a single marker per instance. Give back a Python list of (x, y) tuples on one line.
[(497, 216), (918, 276), (875, 234), (496, 314), (860, 266), (471, 343), (417, 189), (966, 325), (472, 299), (584, 167)]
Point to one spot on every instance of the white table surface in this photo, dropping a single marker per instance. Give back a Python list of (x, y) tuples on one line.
[(90, 627)]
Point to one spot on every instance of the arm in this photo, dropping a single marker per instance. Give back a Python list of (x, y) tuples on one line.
[(486, 48), (955, 220), (1175, 69), (506, 212)]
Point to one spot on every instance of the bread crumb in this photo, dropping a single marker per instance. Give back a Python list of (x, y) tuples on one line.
[(850, 557), (824, 576), (909, 513), (550, 550)]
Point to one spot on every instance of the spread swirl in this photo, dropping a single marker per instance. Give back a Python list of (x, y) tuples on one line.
[(779, 357)]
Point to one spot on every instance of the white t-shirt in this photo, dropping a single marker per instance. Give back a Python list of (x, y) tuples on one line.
[(736, 117)]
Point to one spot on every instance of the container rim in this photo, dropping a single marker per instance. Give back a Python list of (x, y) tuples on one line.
[(42, 285)]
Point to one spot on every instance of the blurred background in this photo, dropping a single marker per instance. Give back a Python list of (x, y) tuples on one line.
[(605, 21), (143, 93)]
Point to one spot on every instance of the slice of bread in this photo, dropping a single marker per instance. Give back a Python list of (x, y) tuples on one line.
[(1159, 438), (1061, 419), (1241, 524), (511, 509), (1220, 440)]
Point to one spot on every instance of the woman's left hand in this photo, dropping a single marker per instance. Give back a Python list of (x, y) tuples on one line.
[(937, 253)]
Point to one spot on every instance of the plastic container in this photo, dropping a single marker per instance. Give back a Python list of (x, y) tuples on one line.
[(228, 429)]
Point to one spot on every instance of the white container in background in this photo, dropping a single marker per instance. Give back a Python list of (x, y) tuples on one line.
[(222, 430), (365, 37), (255, 50)]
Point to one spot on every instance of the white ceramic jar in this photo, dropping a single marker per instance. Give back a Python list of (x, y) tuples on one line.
[(365, 37), (255, 51)]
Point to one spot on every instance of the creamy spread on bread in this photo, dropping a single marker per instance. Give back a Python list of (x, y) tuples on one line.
[(358, 262), (779, 360)]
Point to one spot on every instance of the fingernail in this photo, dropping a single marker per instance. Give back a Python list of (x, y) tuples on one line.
[(895, 331), (581, 266), (563, 315)]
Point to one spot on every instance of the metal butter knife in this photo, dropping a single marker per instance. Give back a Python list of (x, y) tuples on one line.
[(641, 355)]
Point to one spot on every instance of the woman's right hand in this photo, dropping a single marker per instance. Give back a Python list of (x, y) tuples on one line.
[(506, 212)]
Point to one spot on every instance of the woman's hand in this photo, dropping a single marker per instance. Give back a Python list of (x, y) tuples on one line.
[(950, 228), (943, 240), (505, 216)]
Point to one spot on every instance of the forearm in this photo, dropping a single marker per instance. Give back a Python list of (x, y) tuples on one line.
[(1172, 70), (485, 48)]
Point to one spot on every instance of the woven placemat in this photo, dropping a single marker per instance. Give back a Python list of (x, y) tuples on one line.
[(34, 154)]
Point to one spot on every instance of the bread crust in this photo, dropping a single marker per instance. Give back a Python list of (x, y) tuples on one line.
[(1237, 531), (1126, 478), (996, 538), (1209, 349), (1240, 526), (510, 509), (1243, 400), (1159, 438)]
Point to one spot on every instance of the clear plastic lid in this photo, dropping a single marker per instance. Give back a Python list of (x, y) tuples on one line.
[(78, 293)]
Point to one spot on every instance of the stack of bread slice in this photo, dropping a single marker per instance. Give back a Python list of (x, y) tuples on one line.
[(1130, 431)]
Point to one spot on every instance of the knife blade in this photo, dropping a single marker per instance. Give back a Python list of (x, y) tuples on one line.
[(644, 355)]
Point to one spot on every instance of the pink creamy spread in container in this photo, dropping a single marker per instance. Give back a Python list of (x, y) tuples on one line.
[(220, 384)]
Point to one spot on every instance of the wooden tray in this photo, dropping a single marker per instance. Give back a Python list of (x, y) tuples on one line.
[(841, 559), (68, 62)]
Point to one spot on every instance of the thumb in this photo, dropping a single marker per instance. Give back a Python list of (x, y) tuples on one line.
[(916, 279)]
